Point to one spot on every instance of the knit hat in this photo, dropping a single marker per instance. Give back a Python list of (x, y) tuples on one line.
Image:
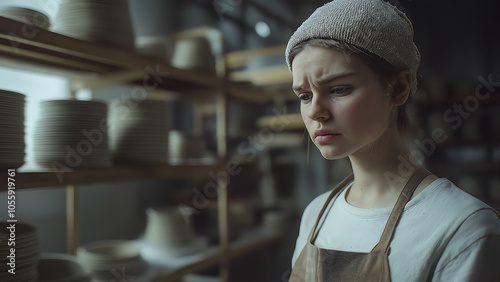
[(373, 25)]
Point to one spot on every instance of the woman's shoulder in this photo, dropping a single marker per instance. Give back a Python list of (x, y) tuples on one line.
[(442, 190), (449, 203), (315, 206)]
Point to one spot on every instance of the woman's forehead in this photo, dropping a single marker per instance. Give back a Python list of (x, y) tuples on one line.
[(320, 63)]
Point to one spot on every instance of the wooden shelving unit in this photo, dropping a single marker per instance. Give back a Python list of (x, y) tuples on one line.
[(56, 53), (42, 179), (276, 79), (89, 65), (212, 258)]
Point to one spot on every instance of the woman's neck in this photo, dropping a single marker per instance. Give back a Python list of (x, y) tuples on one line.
[(380, 172)]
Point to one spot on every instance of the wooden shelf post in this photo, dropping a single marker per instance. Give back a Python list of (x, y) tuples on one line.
[(222, 199), (72, 218)]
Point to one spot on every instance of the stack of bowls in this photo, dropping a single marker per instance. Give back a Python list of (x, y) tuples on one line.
[(184, 145), (27, 16), (72, 133), (194, 54), (61, 268), (12, 143), (139, 131), (99, 21), (107, 259), (26, 253)]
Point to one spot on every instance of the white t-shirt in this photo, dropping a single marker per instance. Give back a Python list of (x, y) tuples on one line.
[(444, 234)]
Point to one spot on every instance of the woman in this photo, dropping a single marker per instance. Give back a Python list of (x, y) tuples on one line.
[(354, 67)]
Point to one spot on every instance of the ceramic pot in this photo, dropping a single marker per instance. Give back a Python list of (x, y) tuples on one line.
[(169, 226)]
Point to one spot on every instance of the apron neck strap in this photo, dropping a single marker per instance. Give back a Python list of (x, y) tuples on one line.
[(404, 197), (335, 192)]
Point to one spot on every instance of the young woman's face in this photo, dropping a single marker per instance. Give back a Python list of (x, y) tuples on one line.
[(344, 105)]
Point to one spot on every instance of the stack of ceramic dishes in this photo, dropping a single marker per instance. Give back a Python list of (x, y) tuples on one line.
[(107, 259), (99, 21), (26, 253), (72, 133), (27, 16), (139, 131), (194, 54), (12, 144), (61, 268), (184, 145)]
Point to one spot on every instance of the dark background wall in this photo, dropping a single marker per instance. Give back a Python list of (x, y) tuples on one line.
[(457, 39)]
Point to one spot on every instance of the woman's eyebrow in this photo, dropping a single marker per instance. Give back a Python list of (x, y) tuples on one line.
[(326, 80)]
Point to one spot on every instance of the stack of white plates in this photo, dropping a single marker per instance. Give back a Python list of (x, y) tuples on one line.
[(27, 16), (72, 133), (113, 259), (12, 144), (61, 268), (99, 21), (139, 131), (26, 253)]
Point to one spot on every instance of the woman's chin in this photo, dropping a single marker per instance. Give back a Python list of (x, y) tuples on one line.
[(331, 155)]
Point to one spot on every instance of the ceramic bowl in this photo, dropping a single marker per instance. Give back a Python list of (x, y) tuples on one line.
[(60, 268), (194, 54), (27, 16), (159, 47), (103, 258)]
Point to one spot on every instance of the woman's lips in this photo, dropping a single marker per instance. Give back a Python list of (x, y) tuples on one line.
[(326, 138), (322, 136)]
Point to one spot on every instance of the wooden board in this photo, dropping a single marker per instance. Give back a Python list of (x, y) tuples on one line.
[(61, 178)]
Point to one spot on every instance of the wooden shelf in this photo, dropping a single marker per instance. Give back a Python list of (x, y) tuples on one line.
[(282, 122), (46, 51), (275, 79), (271, 76), (40, 179), (240, 58), (257, 241)]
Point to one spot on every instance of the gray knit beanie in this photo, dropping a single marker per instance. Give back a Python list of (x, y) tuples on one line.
[(373, 25)]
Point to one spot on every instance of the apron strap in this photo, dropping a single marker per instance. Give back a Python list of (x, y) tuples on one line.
[(404, 197), (334, 194)]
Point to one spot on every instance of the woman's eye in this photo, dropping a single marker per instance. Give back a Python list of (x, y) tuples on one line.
[(340, 91), (304, 97)]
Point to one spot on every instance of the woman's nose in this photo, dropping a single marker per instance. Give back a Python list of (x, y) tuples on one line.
[(318, 110)]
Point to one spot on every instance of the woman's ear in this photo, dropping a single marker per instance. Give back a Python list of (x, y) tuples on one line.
[(400, 87)]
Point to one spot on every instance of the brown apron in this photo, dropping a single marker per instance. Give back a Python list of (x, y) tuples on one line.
[(315, 264)]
